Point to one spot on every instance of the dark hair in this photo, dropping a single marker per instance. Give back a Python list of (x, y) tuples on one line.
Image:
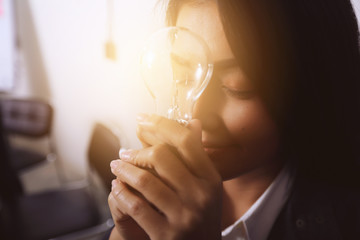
[(304, 58)]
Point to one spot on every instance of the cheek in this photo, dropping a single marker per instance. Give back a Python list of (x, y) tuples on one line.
[(250, 126)]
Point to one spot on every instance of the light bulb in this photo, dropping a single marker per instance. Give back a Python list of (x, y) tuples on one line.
[(176, 66)]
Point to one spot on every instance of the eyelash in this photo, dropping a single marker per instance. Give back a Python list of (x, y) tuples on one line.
[(238, 94)]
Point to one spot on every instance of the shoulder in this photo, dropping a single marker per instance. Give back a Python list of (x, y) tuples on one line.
[(319, 210), (345, 202)]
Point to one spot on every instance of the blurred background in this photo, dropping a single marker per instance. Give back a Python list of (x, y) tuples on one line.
[(61, 58), (70, 90)]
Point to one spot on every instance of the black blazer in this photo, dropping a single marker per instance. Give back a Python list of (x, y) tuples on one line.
[(319, 211)]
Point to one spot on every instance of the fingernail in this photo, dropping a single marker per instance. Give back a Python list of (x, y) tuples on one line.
[(125, 154), (142, 117), (114, 164), (114, 183), (121, 151)]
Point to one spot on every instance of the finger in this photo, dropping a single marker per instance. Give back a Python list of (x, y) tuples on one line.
[(137, 208), (124, 150), (125, 225), (155, 129), (141, 138), (149, 186), (165, 164), (117, 215)]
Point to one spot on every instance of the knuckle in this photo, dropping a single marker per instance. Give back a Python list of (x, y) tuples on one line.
[(171, 235), (135, 207), (121, 219), (114, 208), (158, 152), (200, 197), (134, 156), (155, 153), (119, 170), (186, 139), (110, 199), (158, 120), (204, 200), (164, 235), (190, 220), (119, 190), (208, 195), (143, 180), (155, 121)]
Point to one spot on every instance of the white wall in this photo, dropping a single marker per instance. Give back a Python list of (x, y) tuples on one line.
[(83, 86)]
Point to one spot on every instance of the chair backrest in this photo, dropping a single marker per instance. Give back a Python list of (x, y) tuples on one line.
[(103, 148), (26, 117), (10, 185)]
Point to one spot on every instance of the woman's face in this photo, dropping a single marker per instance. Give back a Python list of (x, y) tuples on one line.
[(238, 133)]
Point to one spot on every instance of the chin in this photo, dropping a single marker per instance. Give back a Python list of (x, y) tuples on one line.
[(234, 162), (229, 161)]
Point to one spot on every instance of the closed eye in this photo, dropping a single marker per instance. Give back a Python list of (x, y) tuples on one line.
[(240, 94)]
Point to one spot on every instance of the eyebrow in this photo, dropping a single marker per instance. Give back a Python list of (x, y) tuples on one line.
[(226, 64), (218, 65), (180, 60)]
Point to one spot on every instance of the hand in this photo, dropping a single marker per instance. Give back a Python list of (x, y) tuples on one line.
[(170, 189), (125, 226)]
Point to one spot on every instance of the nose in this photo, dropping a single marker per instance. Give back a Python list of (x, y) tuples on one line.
[(208, 107)]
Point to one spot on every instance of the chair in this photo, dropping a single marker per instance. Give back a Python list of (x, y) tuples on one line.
[(28, 120), (103, 148), (68, 213)]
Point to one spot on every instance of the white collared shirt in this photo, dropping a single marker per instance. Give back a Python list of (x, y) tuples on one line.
[(258, 220)]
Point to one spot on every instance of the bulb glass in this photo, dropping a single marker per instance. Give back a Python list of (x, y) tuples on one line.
[(176, 66)]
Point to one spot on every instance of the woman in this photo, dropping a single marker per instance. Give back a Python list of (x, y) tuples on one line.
[(272, 152)]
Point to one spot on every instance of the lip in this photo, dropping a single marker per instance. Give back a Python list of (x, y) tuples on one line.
[(220, 152), (210, 144), (212, 148)]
